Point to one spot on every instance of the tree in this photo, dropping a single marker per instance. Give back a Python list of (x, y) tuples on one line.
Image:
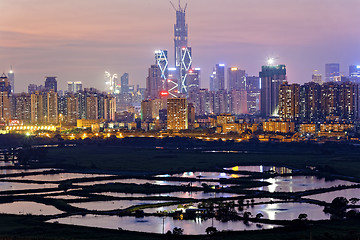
[(354, 200), (247, 215), (302, 216), (211, 230), (178, 231), (259, 215), (339, 204)]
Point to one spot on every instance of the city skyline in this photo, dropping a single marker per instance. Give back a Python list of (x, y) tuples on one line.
[(77, 46)]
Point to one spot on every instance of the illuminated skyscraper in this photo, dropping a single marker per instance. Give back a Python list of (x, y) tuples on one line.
[(110, 82), (92, 108), (22, 107), (193, 80), (186, 62), (161, 59), (331, 70), (5, 90), (74, 87), (52, 107), (219, 77), (11, 77), (172, 83), (180, 34), (153, 82), (177, 114), (253, 94), (236, 79), (72, 107), (37, 108), (310, 102), (289, 101), (271, 78), (125, 83)]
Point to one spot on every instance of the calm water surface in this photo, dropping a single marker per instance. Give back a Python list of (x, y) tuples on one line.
[(329, 196), (28, 208)]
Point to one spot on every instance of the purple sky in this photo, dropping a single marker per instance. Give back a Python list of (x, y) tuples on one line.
[(77, 40)]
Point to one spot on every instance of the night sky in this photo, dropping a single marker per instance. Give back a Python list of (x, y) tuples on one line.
[(77, 40)]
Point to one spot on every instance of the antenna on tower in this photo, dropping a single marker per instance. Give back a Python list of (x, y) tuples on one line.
[(185, 7), (180, 4)]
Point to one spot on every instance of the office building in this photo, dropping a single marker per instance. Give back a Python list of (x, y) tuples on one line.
[(50, 83), (331, 70), (271, 79), (180, 37), (236, 79), (74, 87), (153, 82), (161, 59), (317, 78), (186, 63), (219, 77), (11, 77), (124, 83), (193, 80), (177, 114), (172, 83)]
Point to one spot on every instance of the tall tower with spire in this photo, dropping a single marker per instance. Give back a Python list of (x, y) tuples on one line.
[(183, 57), (180, 33)]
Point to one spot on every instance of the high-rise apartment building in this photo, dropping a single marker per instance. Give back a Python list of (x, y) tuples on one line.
[(331, 70), (177, 114), (289, 102), (22, 106), (146, 111), (271, 79), (50, 83), (52, 107), (72, 109), (329, 99), (38, 114), (92, 108), (310, 102), (5, 89), (236, 79), (253, 89), (238, 102), (348, 101)]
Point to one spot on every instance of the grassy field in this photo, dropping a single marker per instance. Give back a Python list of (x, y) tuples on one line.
[(164, 160)]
